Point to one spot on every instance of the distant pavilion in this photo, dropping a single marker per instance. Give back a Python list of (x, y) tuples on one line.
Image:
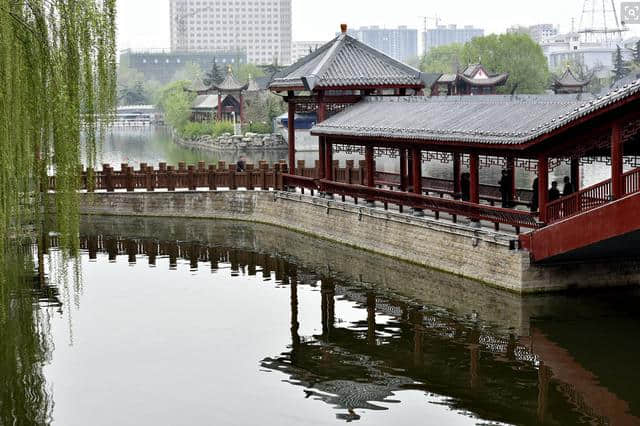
[(569, 83), (474, 80), (230, 97)]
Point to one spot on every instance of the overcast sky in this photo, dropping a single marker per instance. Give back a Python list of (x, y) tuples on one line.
[(145, 23)]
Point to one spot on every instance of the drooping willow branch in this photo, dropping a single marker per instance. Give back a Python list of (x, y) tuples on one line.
[(57, 86)]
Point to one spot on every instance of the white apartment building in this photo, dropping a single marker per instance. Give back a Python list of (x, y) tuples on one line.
[(260, 28), (300, 49)]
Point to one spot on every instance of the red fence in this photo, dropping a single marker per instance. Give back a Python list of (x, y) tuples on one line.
[(438, 205), (349, 182), (590, 198), (191, 177)]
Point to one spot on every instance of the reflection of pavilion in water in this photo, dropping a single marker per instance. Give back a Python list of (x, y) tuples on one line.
[(403, 345)]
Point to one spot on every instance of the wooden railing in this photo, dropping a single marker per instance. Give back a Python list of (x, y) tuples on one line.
[(590, 198), (184, 177), (516, 218), (349, 182)]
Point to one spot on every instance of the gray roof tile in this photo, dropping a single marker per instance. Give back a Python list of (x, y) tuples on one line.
[(346, 62), (468, 119)]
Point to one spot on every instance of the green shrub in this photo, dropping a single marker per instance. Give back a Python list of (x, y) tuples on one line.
[(260, 128), (194, 130)]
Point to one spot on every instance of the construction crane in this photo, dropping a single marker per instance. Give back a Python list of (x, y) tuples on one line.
[(425, 19)]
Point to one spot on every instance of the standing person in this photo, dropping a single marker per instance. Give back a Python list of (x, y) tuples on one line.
[(536, 197), (465, 186), (240, 165), (505, 189), (568, 187), (554, 193)]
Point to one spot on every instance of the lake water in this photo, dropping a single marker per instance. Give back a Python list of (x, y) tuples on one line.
[(152, 145), (188, 322)]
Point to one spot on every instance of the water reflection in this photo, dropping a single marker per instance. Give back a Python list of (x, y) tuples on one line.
[(25, 342), (253, 324)]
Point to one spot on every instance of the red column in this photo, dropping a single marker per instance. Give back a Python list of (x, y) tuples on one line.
[(543, 186), (368, 155), (321, 113), (575, 173), (328, 160), (241, 108), (292, 136), (416, 164), (456, 173), (474, 171), (403, 169), (511, 167), (219, 114), (617, 181), (321, 160), (409, 168)]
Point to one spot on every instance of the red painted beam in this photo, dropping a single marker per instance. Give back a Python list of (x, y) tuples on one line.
[(609, 221)]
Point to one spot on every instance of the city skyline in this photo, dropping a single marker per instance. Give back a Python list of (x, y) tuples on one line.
[(323, 23)]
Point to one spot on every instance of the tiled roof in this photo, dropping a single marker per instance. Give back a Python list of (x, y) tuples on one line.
[(430, 78), (493, 80), (230, 84), (346, 62), (253, 86), (447, 78), (469, 119), (205, 102), (568, 79), (197, 86)]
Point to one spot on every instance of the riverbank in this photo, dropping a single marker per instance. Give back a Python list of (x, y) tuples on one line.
[(482, 255), (235, 143)]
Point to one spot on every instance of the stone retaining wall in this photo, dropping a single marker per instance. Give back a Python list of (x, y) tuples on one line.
[(228, 142), (481, 255)]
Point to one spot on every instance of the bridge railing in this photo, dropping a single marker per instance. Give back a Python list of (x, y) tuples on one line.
[(436, 196), (591, 197), (496, 215)]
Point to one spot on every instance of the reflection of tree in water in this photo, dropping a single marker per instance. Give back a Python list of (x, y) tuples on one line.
[(356, 381), (25, 345)]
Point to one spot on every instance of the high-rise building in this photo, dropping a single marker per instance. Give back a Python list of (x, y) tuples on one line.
[(400, 43), (162, 66), (539, 33), (260, 28), (300, 49), (449, 34)]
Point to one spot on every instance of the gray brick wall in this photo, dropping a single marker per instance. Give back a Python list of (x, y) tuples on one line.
[(458, 249)]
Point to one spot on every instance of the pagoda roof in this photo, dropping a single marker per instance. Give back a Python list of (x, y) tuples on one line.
[(492, 119), (253, 86), (207, 102), (197, 86), (568, 79), (230, 83), (493, 80), (346, 63)]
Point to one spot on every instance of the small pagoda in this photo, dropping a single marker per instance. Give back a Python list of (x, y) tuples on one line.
[(568, 83), (474, 80), (230, 97)]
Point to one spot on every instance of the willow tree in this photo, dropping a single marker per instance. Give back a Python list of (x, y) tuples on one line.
[(57, 85)]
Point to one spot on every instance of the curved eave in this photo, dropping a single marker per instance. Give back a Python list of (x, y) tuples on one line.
[(416, 86), (491, 81), (485, 140)]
